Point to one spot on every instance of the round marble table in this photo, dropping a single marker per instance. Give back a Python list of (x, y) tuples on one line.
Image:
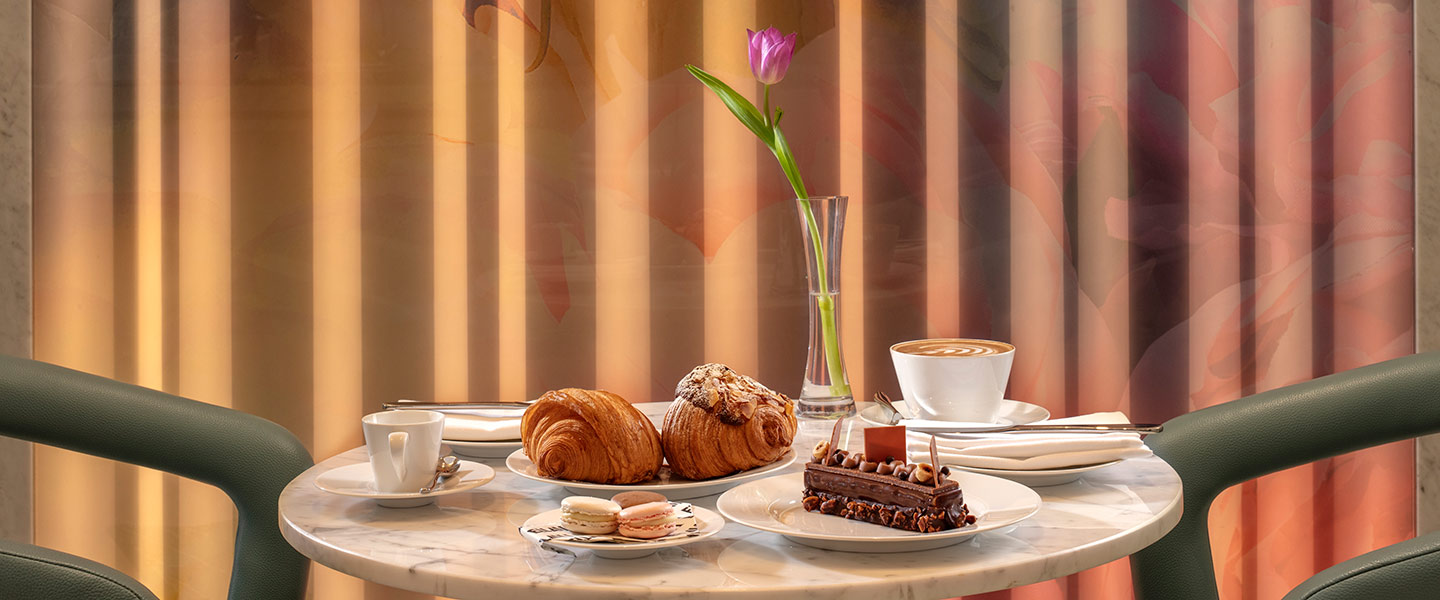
[(469, 546)]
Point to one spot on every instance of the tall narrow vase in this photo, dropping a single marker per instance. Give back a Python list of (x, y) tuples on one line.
[(825, 393)]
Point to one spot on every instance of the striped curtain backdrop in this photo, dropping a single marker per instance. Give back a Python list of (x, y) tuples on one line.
[(301, 209)]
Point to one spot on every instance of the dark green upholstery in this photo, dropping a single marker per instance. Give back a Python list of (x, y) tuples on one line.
[(251, 459), (1220, 446), (33, 572)]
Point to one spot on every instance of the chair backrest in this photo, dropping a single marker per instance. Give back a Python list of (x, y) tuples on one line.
[(248, 457), (1217, 447)]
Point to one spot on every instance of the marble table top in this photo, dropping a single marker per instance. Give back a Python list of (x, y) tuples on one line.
[(469, 546)]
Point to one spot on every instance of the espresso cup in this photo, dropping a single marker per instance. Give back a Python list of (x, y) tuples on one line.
[(953, 379), (403, 446)]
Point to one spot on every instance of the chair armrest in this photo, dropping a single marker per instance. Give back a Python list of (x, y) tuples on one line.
[(1409, 569), (251, 459), (1220, 446), (32, 572)]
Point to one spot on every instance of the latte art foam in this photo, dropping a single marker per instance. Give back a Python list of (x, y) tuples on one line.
[(954, 347)]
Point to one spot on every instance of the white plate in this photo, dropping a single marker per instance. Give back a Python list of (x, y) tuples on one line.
[(358, 480), (483, 449), (1038, 478), (773, 504), (1012, 412), (672, 486), (708, 523)]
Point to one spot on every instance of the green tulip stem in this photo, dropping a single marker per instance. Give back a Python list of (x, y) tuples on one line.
[(768, 130), (825, 302)]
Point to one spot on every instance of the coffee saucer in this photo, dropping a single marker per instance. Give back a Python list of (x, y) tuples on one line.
[(358, 481), (1012, 412)]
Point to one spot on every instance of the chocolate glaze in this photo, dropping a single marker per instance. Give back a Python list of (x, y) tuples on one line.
[(884, 499)]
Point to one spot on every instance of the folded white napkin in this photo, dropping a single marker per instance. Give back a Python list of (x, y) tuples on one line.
[(481, 426), (1032, 451)]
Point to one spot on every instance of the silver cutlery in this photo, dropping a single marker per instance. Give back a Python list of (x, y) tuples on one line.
[(445, 467), (404, 404), (924, 426), (890, 409)]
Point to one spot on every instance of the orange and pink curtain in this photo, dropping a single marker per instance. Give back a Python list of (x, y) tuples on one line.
[(304, 208)]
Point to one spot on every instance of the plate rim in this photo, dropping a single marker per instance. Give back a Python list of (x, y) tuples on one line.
[(734, 478), (705, 532), (463, 485), (481, 443), (959, 532), (1038, 472)]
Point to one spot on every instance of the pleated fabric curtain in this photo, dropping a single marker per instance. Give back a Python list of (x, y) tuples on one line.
[(303, 209)]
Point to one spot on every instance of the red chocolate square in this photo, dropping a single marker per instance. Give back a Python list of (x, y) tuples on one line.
[(885, 442)]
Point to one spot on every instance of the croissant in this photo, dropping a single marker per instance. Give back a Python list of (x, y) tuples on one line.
[(723, 422), (590, 435)]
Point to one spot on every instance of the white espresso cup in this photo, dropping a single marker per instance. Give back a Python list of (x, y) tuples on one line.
[(404, 446), (953, 379)]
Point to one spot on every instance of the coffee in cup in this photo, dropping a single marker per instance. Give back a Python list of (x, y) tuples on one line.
[(953, 379), (403, 446)]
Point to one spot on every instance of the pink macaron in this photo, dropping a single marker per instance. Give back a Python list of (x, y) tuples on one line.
[(648, 521)]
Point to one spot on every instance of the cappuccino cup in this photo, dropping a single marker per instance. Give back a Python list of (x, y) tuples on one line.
[(953, 379), (403, 446)]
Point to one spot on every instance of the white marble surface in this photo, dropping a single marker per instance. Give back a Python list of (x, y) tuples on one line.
[(15, 292), (1427, 244), (468, 546)]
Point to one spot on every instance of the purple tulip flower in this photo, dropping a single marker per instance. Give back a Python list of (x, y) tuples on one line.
[(770, 54)]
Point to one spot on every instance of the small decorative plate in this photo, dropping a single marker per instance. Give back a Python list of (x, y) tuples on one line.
[(703, 523)]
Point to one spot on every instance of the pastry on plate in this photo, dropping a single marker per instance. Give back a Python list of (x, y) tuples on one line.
[(590, 435), (723, 422)]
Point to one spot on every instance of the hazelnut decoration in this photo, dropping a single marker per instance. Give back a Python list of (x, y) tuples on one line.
[(822, 449), (923, 473)]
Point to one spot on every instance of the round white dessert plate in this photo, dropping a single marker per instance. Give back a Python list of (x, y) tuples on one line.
[(483, 449), (1012, 412), (773, 504), (671, 485), (1038, 478), (358, 480), (705, 524)]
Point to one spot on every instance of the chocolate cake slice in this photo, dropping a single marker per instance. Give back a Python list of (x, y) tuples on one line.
[(913, 497)]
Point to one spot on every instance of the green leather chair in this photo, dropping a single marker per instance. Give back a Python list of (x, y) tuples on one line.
[(1217, 447), (251, 459)]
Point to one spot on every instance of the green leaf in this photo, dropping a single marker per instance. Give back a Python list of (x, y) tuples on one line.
[(787, 164), (738, 105)]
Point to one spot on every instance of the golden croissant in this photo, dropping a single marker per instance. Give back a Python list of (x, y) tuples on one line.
[(590, 435), (723, 422)]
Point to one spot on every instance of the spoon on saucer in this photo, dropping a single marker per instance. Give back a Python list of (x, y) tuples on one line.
[(884, 402), (444, 467)]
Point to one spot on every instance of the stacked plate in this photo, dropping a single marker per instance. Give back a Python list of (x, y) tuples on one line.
[(1054, 459), (482, 432)]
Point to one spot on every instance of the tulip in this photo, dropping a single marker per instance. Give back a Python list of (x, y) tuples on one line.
[(770, 54)]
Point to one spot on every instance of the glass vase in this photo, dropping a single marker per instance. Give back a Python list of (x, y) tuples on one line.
[(825, 393)]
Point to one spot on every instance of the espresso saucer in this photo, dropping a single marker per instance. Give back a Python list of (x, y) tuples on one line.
[(1012, 412), (358, 481)]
